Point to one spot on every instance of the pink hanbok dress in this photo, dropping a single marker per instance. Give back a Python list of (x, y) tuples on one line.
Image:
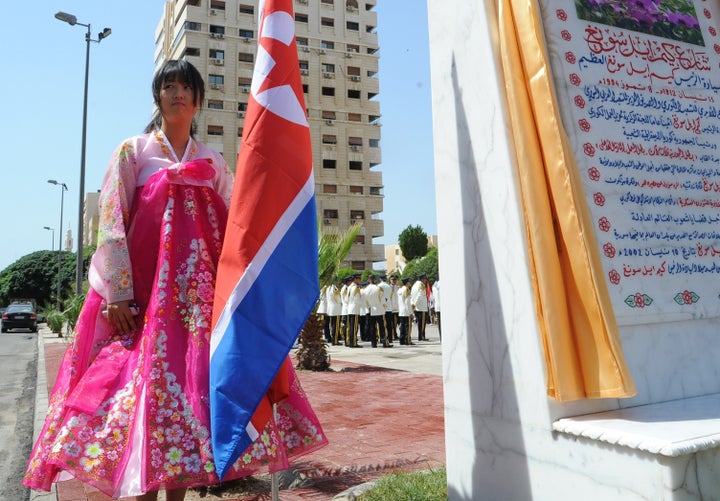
[(130, 414)]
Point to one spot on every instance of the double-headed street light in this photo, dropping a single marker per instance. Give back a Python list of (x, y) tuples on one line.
[(72, 21), (63, 189), (52, 241)]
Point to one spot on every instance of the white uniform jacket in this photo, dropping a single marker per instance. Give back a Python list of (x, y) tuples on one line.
[(418, 296)]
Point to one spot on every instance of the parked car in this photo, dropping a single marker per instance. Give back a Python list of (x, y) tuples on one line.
[(19, 316)]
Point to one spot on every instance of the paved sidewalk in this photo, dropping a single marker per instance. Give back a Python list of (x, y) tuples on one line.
[(382, 409)]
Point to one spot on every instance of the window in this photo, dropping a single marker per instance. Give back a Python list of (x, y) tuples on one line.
[(328, 115), (354, 117), (242, 106), (217, 30), (217, 4), (371, 95), (357, 265), (246, 57), (216, 80), (240, 131), (374, 143), (330, 213), (328, 91), (194, 3), (328, 68), (356, 190), (191, 51), (352, 25), (214, 130), (247, 9), (355, 165), (357, 214), (301, 41), (244, 84), (369, 29), (189, 25), (217, 54), (329, 139), (351, 3), (303, 64), (360, 239), (243, 33), (375, 190), (353, 48), (305, 88), (301, 18), (355, 141), (353, 94), (327, 2), (329, 188), (215, 104), (353, 71), (327, 44), (327, 21), (329, 164)]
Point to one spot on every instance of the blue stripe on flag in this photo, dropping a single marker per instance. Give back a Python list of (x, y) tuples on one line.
[(259, 336)]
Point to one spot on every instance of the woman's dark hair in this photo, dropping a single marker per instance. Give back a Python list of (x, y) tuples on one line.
[(175, 70)]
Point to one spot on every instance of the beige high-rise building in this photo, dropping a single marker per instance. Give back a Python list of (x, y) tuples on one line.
[(338, 53)]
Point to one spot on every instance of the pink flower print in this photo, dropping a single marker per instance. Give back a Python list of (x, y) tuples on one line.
[(93, 449), (174, 455), (687, 297), (639, 300), (85, 434), (570, 57), (174, 434), (706, 13), (594, 173), (712, 31), (258, 450), (205, 292), (716, 48), (589, 149), (584, 125), (72, 449), (173, 469), (112, 455), (614, 277), (609, 250), (561, 15), (575, 79), (292, 440), (604, 224), (579, 102), (159, 436), (599, 199), (565, 34), (193, 463)]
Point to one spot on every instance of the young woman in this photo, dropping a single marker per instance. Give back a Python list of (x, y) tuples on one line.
[(129, 411)]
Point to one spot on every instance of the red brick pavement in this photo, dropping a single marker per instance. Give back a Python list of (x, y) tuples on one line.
[(377, 421)]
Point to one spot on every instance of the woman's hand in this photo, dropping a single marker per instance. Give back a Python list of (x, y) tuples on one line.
[(120, 316)]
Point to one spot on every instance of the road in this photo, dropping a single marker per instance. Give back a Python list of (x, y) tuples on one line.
[(18, 374)]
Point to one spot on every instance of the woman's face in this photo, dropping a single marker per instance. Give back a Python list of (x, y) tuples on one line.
[(177, 101)]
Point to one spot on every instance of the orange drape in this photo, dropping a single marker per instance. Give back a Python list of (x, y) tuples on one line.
[(583, 352)]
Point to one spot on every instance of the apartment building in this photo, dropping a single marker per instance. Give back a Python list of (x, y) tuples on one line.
[(338, 56)]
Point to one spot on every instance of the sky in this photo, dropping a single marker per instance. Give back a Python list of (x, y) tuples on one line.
[(43, 86)]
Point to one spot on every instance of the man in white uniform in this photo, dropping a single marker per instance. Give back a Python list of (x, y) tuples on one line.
[(419, 303), (354, 302), (390, 297), (334, 310), (405, 312), (375, 299)]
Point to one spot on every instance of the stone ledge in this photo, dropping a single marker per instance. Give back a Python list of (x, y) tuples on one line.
[(673, 428)]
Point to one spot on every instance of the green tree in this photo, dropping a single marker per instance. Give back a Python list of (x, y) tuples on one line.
[(413, 242), (35, 276), (428, 265), (332, 249)]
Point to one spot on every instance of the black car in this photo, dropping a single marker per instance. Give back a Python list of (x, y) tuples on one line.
[(19, 316)]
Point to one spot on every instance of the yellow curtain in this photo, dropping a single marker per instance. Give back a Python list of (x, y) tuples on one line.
[(583, 352)]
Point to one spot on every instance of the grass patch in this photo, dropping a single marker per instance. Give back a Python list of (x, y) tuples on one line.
[(416, 486)]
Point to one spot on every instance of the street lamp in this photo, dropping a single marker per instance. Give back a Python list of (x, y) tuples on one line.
[(52, 242), (63, 189), (72, 21)]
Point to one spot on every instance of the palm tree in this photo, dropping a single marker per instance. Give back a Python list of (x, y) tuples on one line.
[(333, 246)]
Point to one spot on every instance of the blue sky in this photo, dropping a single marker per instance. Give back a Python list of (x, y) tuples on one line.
[(42, 85)]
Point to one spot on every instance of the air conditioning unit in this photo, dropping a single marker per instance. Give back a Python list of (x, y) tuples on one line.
[(327, 74), (355, 78), (241, 114), (218, 61), (353, 221), (321, 51), (303, 71), (246, 39), (355, 147), (216, 86), (329, 121), (348, 54), (213, 12), (220, 35), (350, 8), (245, 89), (303, 1), (326, 221), (213, 35), (305, 48)]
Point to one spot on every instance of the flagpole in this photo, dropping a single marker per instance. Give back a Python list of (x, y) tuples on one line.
[(274, 480)]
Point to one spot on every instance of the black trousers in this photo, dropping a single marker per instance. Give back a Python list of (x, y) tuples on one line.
[(352, 330), (421, 318), (377, 330), (405, 329), (391, 325)]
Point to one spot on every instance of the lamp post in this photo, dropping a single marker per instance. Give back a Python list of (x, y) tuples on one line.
[(63, 189), (52, 241), (72, 21)]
